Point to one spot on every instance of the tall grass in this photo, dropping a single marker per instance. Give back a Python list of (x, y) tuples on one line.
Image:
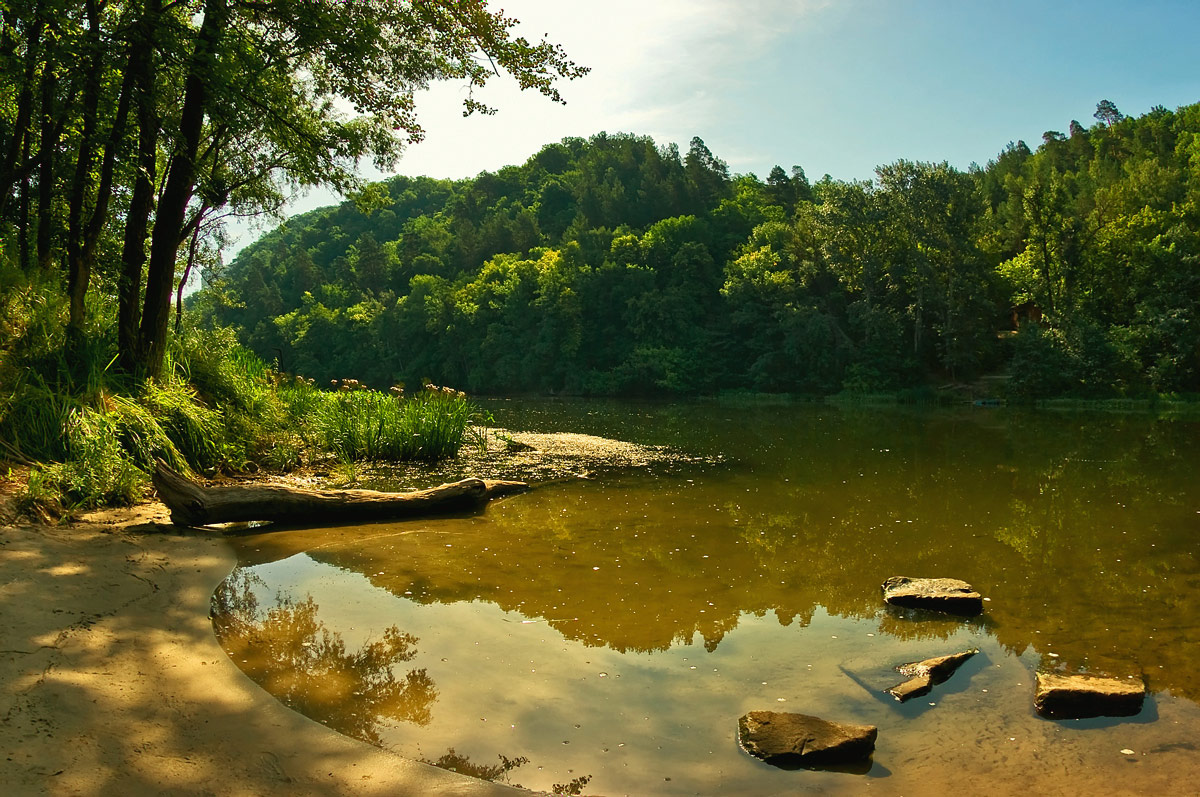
[(355, 423)]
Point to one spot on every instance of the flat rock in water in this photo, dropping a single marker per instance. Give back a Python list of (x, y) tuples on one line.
[(927, 674), (938, 668), (1079, 696), (914, 687), (939, 594), (782, 738)]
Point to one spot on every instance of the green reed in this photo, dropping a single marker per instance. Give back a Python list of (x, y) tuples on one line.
[(356, 423)]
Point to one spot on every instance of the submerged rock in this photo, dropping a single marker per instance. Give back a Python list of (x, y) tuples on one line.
[(939, 668), (1079, 696), (782, 738), (928, 674), (914, 687), (939, 594)]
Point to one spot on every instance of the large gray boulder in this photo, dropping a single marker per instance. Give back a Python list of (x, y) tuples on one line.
[(1078, 696), (939, 594), (924, 675), (782, 738)]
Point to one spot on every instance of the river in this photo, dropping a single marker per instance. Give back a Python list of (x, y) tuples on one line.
[(602, 633)]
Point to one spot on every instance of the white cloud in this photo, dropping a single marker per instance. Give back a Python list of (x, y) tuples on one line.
[(659, 67)]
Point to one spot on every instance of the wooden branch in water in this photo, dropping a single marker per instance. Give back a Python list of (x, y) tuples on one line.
[(194, 505)]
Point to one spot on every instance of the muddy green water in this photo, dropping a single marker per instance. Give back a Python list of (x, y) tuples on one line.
[(614, 628)]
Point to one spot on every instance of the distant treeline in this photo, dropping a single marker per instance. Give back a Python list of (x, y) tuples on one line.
[(613, 265)]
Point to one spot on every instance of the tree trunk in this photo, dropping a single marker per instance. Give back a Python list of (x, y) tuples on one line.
[(187, 272), (47, 149), (78, 269), (116, 138), (193, 505), (14, 168), (24, 255), (137, 220), (177, 192)]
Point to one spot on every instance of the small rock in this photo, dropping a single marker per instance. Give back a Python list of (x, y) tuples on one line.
[(1078, 696), (939, 594), (928, 674), (780, 738), (938, 668), (913, 687)]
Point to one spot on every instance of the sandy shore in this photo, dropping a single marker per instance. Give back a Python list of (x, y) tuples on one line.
[(111, 681)]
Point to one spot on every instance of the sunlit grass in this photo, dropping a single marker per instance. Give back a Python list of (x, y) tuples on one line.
[(355, 423)]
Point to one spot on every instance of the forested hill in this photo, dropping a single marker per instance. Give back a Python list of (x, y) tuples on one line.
[(615, 266)]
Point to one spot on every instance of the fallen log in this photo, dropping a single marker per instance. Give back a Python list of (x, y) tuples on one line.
[(194, 505)]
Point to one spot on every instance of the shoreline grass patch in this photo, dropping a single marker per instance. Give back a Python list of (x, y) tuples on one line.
[(354, 422)]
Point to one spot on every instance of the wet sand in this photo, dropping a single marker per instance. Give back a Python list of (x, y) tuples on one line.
[(111, 681)]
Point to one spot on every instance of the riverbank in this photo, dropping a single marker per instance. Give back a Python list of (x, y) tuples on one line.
[(111, 681)]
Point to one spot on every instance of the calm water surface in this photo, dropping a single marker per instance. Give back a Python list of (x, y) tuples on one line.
[(606, 634)]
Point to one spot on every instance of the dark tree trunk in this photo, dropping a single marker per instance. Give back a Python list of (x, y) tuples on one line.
[(47, 150), (78, 269), (14, 168), (177, 192), (140, 72), (187, 272), (115, 143), (24, 254)]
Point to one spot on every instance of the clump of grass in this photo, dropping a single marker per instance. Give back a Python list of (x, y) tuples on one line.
[(91, 433), (33, 417), (141, 435), (222, 372), (41, 497), (97, 471), (356, 423), (246, 417), (284, 455), (195, 429)]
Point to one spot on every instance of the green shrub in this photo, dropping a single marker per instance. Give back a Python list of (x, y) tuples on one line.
[(1083, 360), (222, 372), (1041, 365)]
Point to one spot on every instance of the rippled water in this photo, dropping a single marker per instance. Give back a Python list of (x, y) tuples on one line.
[(605, 634)]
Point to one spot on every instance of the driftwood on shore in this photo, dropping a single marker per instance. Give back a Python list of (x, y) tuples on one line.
[(194, 505)]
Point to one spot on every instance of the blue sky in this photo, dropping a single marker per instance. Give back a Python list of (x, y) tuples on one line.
[(835, 86)]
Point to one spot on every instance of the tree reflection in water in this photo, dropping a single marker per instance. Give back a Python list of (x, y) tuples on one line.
[(497, 773), (292, 655)]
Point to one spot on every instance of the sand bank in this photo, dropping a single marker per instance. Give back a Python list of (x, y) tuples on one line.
[(111, 681)]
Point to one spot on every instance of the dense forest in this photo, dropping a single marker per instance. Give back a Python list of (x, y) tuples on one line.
[(615, 266)]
